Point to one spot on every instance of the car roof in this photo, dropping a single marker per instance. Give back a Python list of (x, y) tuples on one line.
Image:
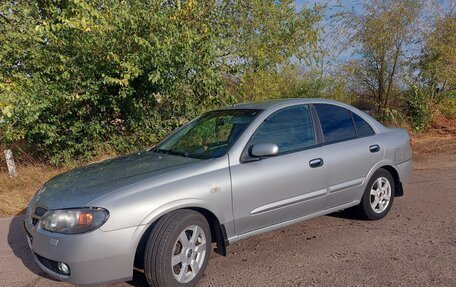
[(282, 103), (264, 105)]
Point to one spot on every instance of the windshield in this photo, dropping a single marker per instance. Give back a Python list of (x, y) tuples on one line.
[(210, 135)]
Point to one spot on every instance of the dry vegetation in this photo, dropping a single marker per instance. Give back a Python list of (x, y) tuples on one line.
[(440, 138), (15, 193)]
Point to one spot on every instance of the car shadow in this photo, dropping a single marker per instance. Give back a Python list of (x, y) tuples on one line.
[(17, 241), (139, 280), (347, 214)]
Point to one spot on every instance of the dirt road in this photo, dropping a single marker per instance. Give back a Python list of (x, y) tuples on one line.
[(415, 245)]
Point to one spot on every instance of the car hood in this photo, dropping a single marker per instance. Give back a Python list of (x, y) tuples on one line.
[(80, 186)]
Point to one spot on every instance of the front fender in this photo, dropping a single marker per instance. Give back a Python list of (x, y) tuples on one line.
[(179, 204)]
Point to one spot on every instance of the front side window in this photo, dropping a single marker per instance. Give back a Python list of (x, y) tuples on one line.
[(290, 129), (336, 122), (210, 135)]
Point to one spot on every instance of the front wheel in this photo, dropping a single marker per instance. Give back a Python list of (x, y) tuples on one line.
[(378, 196), (178, 249)]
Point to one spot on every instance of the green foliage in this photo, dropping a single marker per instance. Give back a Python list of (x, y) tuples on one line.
[(82, 77), (417, 108), (393, 117), (314, 84), (290, 82), (265, 84), (437, 64), (447, 106), (262, 34)]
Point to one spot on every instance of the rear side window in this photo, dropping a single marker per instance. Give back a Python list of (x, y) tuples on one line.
[(363, 129), (290, 129), (336, 122)]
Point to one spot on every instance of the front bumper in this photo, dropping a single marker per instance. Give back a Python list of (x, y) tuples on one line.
[(93, 258)]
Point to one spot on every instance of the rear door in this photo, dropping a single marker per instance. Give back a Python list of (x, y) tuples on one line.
[(351, 149)]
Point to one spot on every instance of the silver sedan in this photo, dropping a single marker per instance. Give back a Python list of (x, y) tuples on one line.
[(227, 175)]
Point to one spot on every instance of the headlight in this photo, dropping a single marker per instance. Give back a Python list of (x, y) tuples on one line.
[(74, 221)]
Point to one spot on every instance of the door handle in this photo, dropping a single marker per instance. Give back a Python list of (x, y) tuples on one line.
[(374, 148), (316, 162)]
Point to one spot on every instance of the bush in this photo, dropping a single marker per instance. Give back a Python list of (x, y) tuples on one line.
[(392, 117), (448, 107), (417, 108)]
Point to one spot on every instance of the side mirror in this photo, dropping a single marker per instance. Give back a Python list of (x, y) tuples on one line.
[(263, 150)]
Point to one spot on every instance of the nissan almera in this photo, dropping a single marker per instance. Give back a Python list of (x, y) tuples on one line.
[(227, 175)]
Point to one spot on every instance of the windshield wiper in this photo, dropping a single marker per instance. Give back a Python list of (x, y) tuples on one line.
[(175, 152), (170, 151)]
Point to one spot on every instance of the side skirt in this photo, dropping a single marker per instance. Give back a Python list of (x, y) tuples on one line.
[(292, 221)]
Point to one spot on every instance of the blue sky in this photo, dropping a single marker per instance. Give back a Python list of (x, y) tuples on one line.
[(334, 6), (348, 4)]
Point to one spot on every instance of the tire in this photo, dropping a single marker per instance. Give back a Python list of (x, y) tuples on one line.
[(173, 238), (377, 202)]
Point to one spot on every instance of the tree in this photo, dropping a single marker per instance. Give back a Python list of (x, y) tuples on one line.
[(76, 75), (381, 35), (81, 77), (437, 63), (263, 37)]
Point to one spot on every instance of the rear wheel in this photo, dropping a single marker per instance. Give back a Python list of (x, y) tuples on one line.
[(378, 196), (178, 249)]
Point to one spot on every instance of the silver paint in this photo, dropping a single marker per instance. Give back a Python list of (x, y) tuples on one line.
[(248, 198)]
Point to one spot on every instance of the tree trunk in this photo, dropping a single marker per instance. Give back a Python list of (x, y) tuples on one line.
[(381, 86), (10, 163)]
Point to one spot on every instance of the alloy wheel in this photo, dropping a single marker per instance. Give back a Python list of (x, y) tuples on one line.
[(380, 194), (189, 253)]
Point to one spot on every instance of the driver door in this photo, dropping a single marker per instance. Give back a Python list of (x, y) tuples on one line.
[(284, 187)]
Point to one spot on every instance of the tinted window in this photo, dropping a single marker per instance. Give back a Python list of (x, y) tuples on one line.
[(336, 122), (290, 129), (363, 129)]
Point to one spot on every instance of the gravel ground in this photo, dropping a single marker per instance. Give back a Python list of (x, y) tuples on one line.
[(415, 245)]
